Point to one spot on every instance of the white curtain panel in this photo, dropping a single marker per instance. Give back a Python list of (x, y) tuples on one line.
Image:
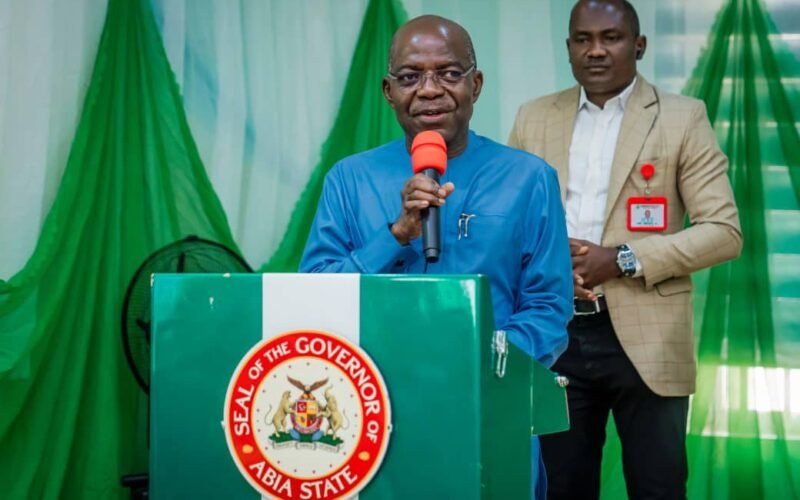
[(47, 51), (261, 82)]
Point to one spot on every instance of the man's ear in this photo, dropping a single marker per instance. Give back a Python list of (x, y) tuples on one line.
[(641, 47), (386, 91), (477, 85)]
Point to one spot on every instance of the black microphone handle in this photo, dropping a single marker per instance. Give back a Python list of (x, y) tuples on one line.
[(431, 233)]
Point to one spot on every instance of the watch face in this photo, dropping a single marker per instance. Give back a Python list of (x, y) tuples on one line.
[(626, 261)]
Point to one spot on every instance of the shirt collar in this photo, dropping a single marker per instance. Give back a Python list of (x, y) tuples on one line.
[(620, 99)]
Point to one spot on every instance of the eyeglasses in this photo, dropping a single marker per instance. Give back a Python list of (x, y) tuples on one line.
[(410, 80)]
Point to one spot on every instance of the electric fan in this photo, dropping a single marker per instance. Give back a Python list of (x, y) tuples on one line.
[(190, 255)]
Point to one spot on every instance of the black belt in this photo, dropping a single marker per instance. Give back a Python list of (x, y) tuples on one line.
[(583, 307)]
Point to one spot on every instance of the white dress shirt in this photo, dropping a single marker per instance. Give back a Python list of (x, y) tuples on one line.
[(594, 140), (591, 153)]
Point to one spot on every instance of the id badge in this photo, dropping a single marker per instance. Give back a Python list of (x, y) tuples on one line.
[(647, 213)]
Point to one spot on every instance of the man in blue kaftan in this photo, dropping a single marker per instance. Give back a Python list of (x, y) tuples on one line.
[(502, 218)]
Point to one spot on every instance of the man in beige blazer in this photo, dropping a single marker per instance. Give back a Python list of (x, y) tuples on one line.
[(632, 162)]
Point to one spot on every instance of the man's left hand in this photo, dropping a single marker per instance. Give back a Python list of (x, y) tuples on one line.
[(595, 265)]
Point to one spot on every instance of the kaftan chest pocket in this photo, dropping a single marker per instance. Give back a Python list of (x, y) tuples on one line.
[(483, 236)]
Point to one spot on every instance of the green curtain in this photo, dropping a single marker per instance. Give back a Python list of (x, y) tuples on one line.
[(743, 438), (364, 121), (741, 450), (72, 419)]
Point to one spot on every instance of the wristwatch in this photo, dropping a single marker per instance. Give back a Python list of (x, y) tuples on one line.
[(626, 261)]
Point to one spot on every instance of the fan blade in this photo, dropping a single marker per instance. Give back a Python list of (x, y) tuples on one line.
[(145, 326), (181, 262)]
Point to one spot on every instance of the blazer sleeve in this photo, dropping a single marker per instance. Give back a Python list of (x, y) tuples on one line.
[(714, 234)]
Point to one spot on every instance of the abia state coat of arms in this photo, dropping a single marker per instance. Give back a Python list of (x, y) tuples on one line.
[(307, 416)]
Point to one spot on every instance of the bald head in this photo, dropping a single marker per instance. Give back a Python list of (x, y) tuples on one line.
[(623, 5), (453, 32)]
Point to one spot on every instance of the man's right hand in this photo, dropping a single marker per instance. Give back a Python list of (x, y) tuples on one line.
[(419, 193), (577, 249)]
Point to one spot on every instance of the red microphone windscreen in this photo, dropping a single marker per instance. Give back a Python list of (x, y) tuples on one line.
[(429, 151)]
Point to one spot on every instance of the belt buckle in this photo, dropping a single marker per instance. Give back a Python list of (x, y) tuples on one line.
[(575, 312)]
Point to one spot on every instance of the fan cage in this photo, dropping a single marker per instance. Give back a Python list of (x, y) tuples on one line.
[(191, 254)]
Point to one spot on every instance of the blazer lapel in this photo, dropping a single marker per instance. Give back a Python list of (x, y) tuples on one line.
[(560, 135), (640, 115)]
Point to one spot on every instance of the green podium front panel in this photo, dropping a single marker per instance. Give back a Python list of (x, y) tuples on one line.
[(459, 430)]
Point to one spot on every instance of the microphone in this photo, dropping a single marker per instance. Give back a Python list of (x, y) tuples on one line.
[(429, 156)]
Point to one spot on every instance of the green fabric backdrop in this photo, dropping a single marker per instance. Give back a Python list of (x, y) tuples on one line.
[(72, 419)]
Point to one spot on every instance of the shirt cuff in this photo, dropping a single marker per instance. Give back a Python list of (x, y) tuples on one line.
[(639, 271), (383, 253)]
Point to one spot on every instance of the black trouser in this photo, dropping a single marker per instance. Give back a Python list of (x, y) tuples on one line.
[(652, 428)]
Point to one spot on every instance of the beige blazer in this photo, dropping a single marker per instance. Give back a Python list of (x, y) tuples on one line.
[(652, 315)]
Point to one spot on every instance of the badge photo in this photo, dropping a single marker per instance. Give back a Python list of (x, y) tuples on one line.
[(647, 213)]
